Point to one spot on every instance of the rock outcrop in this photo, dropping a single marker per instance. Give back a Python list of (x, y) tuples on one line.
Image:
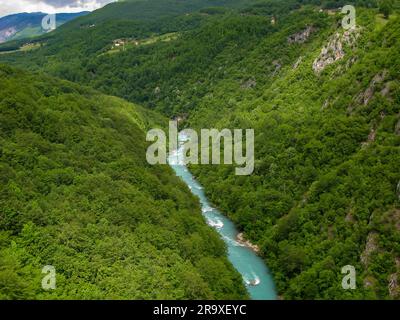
[(369, 282), (301, 36), (241, 240), (250, 83), (393, 286), (297, 63), (385, 92), (365, 97), (5, 34), (370, 247), (334, 50)]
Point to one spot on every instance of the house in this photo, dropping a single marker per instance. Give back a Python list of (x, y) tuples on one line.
[(118, 43)]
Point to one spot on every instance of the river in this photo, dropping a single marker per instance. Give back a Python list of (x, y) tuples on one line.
[(255, 273)]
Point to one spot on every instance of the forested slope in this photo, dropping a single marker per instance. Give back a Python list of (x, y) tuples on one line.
[(325, 192), (77, 193), (324, 103)]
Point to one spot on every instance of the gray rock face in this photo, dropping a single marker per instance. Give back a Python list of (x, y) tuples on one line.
[(334, 50), (367, 95), (250, 83), (393, 286), (7, 33), (302, 36), (297, 63), (370, 246), (385, 92)]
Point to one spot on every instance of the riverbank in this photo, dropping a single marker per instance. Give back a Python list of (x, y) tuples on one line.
[(242, 241)]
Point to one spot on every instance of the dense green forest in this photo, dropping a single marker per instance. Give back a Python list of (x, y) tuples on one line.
[(77, 193), (326, 188)]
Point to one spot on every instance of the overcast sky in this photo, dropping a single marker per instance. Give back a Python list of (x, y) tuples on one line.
[(49, 6)]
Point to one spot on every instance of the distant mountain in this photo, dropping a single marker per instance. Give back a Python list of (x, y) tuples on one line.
[(26, 25)]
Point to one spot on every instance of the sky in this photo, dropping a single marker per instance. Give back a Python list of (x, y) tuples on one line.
[(49, 6)]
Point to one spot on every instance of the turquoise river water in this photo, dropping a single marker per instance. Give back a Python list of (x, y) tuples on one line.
[(255, 273)]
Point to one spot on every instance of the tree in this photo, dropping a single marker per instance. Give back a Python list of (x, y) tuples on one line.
[(386, 7)]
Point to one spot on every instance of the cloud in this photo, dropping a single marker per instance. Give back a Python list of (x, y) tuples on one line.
[(50, 6), (74, 3)]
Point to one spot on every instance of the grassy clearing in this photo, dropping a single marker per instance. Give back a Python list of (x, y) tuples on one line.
[(134, 43)]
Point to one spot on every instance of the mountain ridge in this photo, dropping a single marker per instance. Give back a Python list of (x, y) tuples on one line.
[(27, 25)]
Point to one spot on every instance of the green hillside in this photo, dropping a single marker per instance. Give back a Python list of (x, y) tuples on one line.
[(325, 192), (325, 107), (77, 193)]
